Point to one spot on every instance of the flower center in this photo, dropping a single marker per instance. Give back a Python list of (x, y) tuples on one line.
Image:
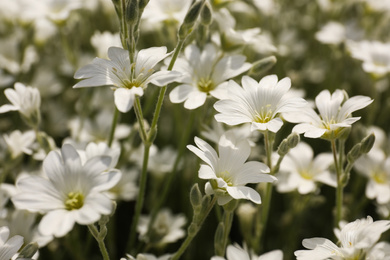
[(306, 175), (264, 115), (205, 85), (74, 200), (227, 177), (379, 177)]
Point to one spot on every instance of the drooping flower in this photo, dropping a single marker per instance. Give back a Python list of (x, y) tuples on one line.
[(258, 103), (128, 80), (205, 73), (334, 115), (300, 170), (227, 172), (71, 192), (9, 246), (356, 240)]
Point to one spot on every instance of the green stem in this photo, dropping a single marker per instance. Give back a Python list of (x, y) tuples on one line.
[(140, 197), (102, 246), (339, 188), (228, 220), (140, 119), (191, 235), (113, 127)]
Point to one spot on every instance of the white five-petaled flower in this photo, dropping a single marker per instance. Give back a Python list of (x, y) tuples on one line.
[(24, 99), (128, 80), (299, 170), (205, 73), (9, 246), (356, 240), (70, 192), (228, 172), (334, 115), (375, 56), (258, 103)]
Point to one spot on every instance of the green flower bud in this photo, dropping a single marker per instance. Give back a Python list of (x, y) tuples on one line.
[(132, 11), (262, 65), (195, 196), (354, 153), (293, 140), (193, 13), (142, 4), (367, 143), (206, 15), (28, 251), (283, 148)]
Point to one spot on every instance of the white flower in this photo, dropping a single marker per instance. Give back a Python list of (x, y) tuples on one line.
[(167, 228), (376, 166), (258, 103), (128, 80), (205, 73), (235, 252), (299, 170), (356, 239), (334, 115), (9, 247), (101, 41), (147, 257), (331, 33), (228, 172), (71, 192), (375, 56), (380, 251), (166, 11), (19, 142), (26, 100), (127, 187)]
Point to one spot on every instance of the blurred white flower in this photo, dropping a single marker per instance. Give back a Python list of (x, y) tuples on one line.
[(166, 11), (127, 187), (147, 257), (331, 33), (19, 142), (235, 252), (228, 173), (128, 80), (375, 56), (258, 103), (375, 165), (167, 228), (24, 99), (356, 240), (334, 115), (379, 252), (300, 170), (205, 73), (70, 192), (101, 41), (9, 246)]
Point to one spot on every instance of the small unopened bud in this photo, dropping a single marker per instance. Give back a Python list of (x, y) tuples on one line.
[(28, 251), (293, 140), (283, 148), (205, 203), (367, 143), (195, 196), (193, 13), (354, 153), (263, 65), (132, 11), (206, 15)]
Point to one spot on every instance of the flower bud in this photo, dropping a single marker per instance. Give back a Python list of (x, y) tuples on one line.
[(132, 11), (195, 196), (367, 143), (283, 148), (354, 153), (206, 15), (293, 140), (142, 4), (28, 251), (193, 13), (263, 65)]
